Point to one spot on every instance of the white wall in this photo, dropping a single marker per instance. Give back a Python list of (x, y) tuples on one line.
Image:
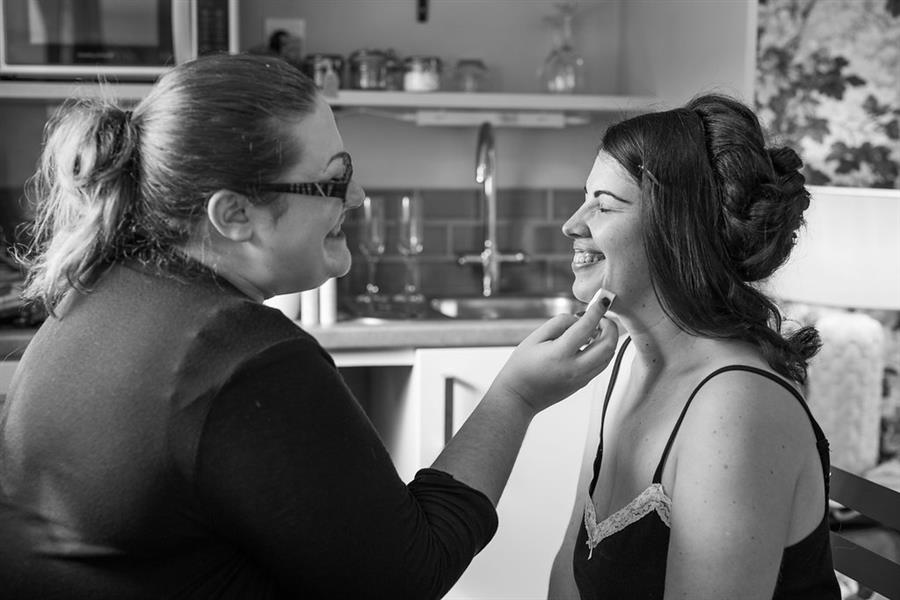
[(684, 47), (509, 35)]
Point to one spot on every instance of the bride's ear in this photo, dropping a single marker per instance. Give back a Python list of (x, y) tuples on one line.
[(230, 215)]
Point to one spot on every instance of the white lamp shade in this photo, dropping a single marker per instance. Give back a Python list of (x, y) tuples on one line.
[(844, 387), (849, 253)]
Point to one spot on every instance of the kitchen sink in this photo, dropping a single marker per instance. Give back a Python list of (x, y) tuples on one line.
[(505, 307)]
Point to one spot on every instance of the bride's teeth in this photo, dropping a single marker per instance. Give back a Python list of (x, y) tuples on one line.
[(583, 258)]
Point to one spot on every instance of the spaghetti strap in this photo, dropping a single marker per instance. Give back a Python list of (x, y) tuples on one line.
[(820, 436), (612, 382)]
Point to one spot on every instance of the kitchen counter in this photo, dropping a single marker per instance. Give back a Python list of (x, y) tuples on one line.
[(360, 336), (356, 335)]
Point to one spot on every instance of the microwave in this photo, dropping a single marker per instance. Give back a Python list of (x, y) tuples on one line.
[(134, 40)]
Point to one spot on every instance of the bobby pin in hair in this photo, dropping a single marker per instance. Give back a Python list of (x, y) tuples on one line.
[(650, 175)]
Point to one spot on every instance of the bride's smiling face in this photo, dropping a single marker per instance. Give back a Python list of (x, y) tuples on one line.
[(606, 234)]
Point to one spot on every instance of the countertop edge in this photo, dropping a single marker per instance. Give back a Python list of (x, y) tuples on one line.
[(363, 337)]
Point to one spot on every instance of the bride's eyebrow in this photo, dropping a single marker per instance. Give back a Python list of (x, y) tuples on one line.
[(598, 193)]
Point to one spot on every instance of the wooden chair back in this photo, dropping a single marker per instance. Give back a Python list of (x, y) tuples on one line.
[(867, 567)]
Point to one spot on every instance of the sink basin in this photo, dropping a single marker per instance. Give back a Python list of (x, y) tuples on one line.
[(505, 307)]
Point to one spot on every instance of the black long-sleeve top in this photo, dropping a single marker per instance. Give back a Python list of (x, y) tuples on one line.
[(170, 438)]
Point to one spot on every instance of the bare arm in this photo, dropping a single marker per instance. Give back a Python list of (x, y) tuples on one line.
[(546, 367), (740, 453)]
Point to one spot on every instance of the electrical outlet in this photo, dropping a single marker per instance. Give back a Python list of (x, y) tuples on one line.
[(295, 27)]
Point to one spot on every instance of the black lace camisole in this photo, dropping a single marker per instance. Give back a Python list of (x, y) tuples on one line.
[(624, 556)]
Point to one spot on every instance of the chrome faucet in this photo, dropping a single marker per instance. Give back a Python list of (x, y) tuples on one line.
[(485, 174)]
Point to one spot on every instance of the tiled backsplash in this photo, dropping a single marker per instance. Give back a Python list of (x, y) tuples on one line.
[(528, 221)]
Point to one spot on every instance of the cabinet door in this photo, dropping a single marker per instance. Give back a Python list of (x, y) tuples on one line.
[(537, 501)]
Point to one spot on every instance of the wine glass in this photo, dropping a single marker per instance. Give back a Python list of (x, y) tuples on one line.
[(372, 245), (563, 69), (410, 244)]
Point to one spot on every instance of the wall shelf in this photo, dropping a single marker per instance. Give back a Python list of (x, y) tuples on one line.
[(584, 103), (60, 90), (495, 101)]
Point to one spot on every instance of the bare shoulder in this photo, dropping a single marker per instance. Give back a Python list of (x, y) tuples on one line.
[(744, 414), (745, 455), (749, 396)]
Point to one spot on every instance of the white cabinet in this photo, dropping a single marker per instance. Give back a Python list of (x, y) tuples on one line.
[(446, 385)]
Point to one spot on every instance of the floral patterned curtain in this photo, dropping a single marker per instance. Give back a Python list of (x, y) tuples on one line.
[(828, 83)]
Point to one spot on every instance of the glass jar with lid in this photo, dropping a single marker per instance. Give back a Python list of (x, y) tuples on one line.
[(422, 74), (471, 75), (325, 69), (368, 70)]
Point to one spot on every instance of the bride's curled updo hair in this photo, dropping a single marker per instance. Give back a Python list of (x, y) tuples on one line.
[(720, 213)]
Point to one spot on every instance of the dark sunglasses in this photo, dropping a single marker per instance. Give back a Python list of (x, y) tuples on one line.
[(335, 188)]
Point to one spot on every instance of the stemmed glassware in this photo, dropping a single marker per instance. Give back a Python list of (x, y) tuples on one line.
[(563, 69), (372, 246), (410, 244)]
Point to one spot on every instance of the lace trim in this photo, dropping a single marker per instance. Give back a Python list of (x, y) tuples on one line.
[(654, 498)]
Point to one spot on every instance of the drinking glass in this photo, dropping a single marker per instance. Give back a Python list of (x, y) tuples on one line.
[(563, 69), (372, 244), (410, 244)]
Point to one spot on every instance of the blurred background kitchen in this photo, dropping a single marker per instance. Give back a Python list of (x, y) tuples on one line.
[(472, 124)]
